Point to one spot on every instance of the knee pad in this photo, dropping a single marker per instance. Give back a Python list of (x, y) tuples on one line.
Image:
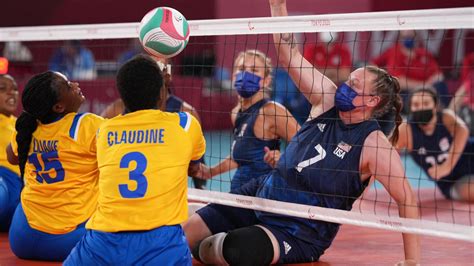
[(248, 246), (209, 250)]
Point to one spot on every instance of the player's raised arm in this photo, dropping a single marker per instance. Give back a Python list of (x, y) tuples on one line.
[(316, 87)]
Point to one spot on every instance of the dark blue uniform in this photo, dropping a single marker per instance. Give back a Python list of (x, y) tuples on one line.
[(428, 150), (320, 167), (247, 149), (174, 105)]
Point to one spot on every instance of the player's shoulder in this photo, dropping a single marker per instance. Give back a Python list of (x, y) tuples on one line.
[(83, 124), (448, 115), (187, 121), (272, 108), (377, 140), (87, 119)]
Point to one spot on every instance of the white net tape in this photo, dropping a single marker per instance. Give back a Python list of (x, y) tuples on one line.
[(454, 18), (454, 231)]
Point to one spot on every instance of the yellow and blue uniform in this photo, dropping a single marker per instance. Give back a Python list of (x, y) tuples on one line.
[(61, 186), (7, 129), (143, 159), (10, 182)]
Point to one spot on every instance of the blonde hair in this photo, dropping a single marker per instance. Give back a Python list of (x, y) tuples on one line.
[(267, 61)]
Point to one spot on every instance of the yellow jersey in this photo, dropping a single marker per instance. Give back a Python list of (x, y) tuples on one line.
[(143, 160), (7, 129), (61, 173)]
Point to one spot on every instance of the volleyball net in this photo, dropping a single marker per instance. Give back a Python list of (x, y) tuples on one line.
[(202, 75)]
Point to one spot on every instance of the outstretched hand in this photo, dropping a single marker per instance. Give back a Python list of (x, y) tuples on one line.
[(271, 157), (200, 171), (439, 171)]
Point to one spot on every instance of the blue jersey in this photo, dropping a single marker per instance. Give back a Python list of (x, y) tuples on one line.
[(320, 167), (247, 149), (433, 149), (174, 104)]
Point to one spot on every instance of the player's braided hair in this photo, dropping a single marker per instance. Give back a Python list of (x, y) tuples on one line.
[(388, 110), (40, 95)]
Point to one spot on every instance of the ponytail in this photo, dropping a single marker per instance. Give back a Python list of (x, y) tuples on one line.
[(388, 110), (38, 98), (25, 125)]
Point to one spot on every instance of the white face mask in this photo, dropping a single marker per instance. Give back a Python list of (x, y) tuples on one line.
[(327, 36)]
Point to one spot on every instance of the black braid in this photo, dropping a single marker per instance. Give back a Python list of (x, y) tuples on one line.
[(38, 99)]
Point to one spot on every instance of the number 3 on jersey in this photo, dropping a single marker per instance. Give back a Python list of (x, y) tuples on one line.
[(135, 175)]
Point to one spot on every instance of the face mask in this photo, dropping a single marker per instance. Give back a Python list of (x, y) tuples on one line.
[(421, 117), (409, 43), (344, 97), (247, 84)]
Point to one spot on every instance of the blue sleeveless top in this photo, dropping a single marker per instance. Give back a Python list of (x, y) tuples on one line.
[(428, 150), (247, 149), (174, 104), (320, 167)]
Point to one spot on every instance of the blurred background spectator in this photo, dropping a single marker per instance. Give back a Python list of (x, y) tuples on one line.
[(17, 52), (134, 49), (414, 66), (74, 60), (463, 101), (18, 59), (285, 92), (330, 54)]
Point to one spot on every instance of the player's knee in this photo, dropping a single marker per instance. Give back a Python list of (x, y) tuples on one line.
[(244, 246), (3, 196), (248, 246), (464, 189), (209, 250)]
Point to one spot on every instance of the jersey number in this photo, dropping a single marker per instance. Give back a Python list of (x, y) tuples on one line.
[(135, 175), (315, 159), (50, 162), (432, 159)]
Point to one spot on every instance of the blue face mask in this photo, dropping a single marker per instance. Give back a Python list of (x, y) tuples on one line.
[(409, 43), (344, 97), (247, 84)]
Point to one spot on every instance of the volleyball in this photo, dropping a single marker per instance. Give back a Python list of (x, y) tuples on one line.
[(164, 32)]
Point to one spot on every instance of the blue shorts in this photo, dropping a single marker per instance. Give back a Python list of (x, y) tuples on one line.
[(446, 185), (246, 173), (29, 243), (463, 168), (10, 189), (164, 245), (221, 218)]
